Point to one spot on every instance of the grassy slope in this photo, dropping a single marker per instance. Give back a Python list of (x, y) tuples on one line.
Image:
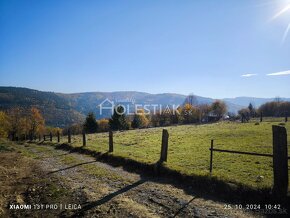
[(189, 149)]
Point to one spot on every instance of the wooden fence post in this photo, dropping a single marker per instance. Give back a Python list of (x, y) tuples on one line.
[(84, 138), (286, 118), (211, 157), (50, 136), (43, 137), (164, 145), (111, 143), (39, 137), (280, 161), (68, 136), (58, 137), (261, 117)]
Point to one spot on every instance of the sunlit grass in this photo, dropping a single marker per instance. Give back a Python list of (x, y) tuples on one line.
[(189, 149)]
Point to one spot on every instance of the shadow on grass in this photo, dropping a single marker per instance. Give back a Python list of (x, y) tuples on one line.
[(205, 186), (89, 205)]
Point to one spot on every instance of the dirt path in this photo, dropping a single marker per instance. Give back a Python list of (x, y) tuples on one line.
[(105, 191)]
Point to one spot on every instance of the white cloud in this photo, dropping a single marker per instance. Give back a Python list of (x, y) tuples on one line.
[(249, 75), (282, 73)]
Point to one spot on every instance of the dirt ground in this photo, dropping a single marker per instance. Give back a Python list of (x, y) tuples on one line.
[(13, 171), (82, 187)]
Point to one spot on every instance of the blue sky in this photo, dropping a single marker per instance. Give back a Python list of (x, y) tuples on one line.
[(198, 46)]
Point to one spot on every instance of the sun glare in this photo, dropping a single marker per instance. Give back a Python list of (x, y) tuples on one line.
[(284, 10), (281, 12)]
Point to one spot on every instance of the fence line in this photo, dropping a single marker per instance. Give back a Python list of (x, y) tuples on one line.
[(280, 154), (280, 160), (241, 152)]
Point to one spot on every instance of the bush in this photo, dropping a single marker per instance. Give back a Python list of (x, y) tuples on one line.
[(103, 125)]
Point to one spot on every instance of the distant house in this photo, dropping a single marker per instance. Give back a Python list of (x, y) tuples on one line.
[(211, 117)]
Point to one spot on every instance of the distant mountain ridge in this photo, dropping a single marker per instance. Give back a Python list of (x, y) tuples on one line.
[(61, 109), (89, 101), (257, 102)]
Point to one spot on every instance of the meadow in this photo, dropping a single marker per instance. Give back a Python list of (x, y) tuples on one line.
[(189, 153)]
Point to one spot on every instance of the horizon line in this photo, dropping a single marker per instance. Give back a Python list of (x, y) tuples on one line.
[(160, 93)]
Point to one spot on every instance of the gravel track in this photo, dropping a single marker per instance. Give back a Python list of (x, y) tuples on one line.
[(113, 192)]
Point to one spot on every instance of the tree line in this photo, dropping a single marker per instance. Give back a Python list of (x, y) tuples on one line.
[(188, 113), (270, 109), (23, 123)]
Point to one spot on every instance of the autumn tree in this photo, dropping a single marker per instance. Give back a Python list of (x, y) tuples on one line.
[(139, 120), (14, 127), (219, 108), (36, 121), (190, 113), (53, 130), (3, 125), (186, 113), (204, 111), (25, 126), (91, 125), (244, 114)]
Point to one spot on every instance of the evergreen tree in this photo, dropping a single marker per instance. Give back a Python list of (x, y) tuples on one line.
[(91, 125), (118, 120), (252, 110), (250, 107), (136, 122)]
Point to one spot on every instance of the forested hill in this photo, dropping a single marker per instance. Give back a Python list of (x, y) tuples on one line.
[(56, 110), (64, 109)]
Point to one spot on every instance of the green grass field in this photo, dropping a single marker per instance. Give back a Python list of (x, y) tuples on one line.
[(189, 149)]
